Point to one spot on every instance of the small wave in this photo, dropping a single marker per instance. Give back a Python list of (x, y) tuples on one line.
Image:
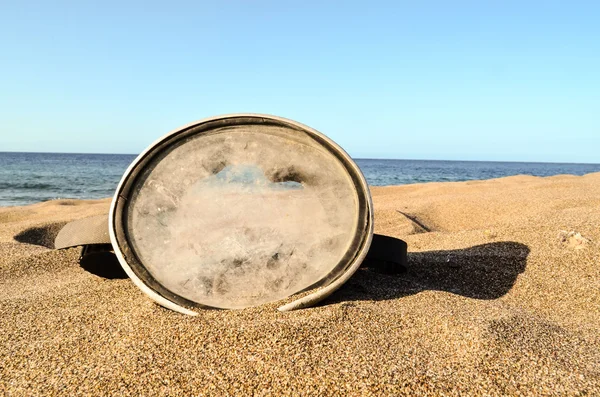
[(26, 185)]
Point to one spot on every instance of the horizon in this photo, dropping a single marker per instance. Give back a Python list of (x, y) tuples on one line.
[(354, 158), (507, 82)]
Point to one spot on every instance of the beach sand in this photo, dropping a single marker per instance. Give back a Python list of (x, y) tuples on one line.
[(501, 297)]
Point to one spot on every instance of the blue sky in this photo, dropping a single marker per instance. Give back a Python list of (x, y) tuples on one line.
[(478, 80)]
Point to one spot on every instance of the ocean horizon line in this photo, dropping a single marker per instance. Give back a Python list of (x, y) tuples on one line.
[(353, 157)]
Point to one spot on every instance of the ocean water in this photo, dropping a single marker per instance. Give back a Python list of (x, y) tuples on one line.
[(27, 178)]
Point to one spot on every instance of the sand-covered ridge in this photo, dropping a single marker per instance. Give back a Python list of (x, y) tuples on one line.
[(501, 297)]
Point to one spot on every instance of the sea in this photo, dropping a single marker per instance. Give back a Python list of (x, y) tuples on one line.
[(27, 178)]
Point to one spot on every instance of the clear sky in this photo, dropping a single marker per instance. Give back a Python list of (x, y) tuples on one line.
[(477, 80)]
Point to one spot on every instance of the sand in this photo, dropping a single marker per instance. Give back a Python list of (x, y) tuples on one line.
[(501, 297)]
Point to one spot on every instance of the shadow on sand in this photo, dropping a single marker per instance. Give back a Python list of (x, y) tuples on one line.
[(43, 235), (486, 271), (103, 263)]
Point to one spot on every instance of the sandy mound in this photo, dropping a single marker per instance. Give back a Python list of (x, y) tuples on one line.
[(501, 296)]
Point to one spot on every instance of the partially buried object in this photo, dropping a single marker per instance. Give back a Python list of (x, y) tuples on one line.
[(238, 211)]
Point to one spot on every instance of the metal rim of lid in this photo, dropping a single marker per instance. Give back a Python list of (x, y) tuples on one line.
[(135, 270)]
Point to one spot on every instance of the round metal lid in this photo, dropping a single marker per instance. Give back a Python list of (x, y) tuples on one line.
[(238, 211)]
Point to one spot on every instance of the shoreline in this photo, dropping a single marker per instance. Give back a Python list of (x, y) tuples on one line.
[(370, 186)]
